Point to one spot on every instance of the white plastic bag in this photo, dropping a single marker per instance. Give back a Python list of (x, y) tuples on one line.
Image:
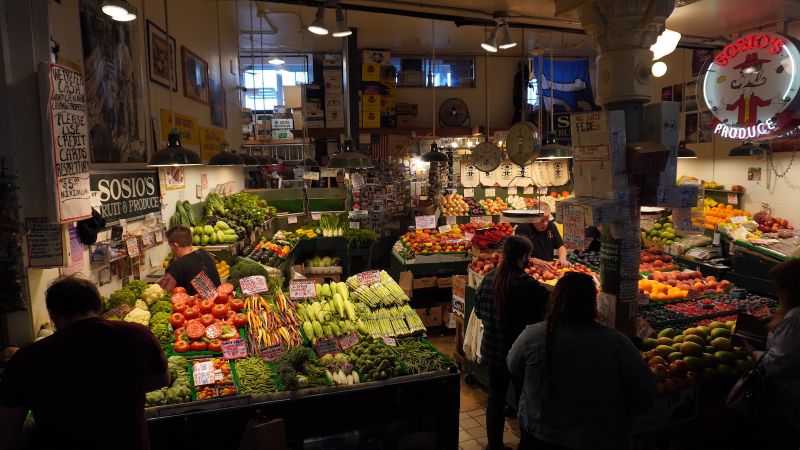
[(473, 337)]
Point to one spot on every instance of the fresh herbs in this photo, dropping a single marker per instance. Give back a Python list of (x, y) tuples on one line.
[(360, 237)]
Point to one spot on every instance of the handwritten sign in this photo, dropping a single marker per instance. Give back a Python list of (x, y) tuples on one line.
[(451, 220), (204, 286), (272, 352), (133, 247), (355, 225), (253, 285), (445, 228), (643, 329), (738, 219), (211, 140), (425, 222), (185, 125), (147, 239), (234, 349), (46, 242), (469, 193), (476, 219), (574, 226), (291, 219), (203, 373), (357, 182), (65, 140), (316, 216), (327, 346), (369, 277), (159, 237), (489, 192), (486, 219), (349, 341), (733, 199), (390, 341), (468, 237), (300, 289)]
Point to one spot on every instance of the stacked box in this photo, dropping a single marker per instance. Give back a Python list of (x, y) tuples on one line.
[(378, 90), (389, 97), (334, 96)]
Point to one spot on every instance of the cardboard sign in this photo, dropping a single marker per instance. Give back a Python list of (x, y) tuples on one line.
[(528, 190), (204, 286), (469, 193), (574, 226), (253, 285), (468, 237), (512, 190), (355, 225), (272, 352), (291, 219), (147, 239), (316, 216), (203, 373), (133, 247), (357, 182), (451, 220), (369, 277), (390, 341), (327, 346), (643, 329), (300, 289), (489, 192), (234, 349), (733, 199), (738, 219), (425, 222), (349, 341), (445, 228), (159, 236)]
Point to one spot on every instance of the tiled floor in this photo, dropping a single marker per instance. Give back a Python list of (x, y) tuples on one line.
[(472, 420)]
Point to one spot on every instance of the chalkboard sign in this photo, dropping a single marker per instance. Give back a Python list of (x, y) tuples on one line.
[(126, 195)]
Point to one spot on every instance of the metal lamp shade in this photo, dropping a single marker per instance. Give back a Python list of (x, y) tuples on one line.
[(434, 155), (174, 154), (553, 150), (748, 149), (685, 152), (350, 160), (225, 158)]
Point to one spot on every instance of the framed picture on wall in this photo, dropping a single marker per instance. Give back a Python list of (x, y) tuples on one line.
[(677, 94), (217, 102), (195, 76), (160, 53)]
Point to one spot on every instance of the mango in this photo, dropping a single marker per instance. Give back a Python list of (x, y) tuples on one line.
[(715, 324), (725, 357), (668, 332), (710, 374), (665, 350), (722, 343), (720, 332), (674, 356), (649, 343), (694, 363), (730, 323), (678, 339), (696, 332), (741, 365), (693, 338), (710, 360), (691, 348), (705, 329), (664, 340), (725, 370)]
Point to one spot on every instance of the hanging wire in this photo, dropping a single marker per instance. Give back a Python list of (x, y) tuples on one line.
[(253, 65), (771, 167), (552, 104), (486, 90), (171, 66), (432, 71)]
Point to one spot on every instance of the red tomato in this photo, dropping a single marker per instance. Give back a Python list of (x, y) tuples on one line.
[(225, 288), (181, 346), (207, 319), (178, 332), (205, 306), (191, 301), (191, 313), (178, 290), (180, 297), (177, 320), (198, 346), (213, 331), (220, 311), (179, 307), (231, 314), (221, 298), (239, 320), (195, 329), (236, 304), (215, 345)]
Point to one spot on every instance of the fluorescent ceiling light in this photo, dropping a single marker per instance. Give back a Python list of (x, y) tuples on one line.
[(318, 25), (666, 43)]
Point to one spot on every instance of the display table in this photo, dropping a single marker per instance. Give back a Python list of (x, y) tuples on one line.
[(428, 269), (384, 410), (751, 265)]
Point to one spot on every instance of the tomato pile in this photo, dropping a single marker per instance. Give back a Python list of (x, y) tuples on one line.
[(201, 325)]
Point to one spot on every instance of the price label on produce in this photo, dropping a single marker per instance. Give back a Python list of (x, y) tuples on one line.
[(528, 190), (733, 199), (203, 373), (643, 329), (445, 228), (489, 192), (316, 216), (204, 286), (272, 352), (542, 190), (738, 219), (512, 190), (451, 220), (327, 346), (425, 222), (369, 277), (133, 247), (349, 341), (715, 240), (475, 219), (234, 349), (468, 237), (487, 219), (355, 225), (300, 289), (147, 239), (159, 237), (390, 341), (291, 219), (469, 192), (253, 285)]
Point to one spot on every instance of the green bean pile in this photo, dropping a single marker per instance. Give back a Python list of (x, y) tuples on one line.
[(255, 377), (420, 358)]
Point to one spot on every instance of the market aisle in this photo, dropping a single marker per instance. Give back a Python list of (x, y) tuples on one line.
[(472, 419)]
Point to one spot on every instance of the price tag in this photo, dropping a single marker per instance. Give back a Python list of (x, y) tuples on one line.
[(475, 219), (512, 190), (300, 289), (204, 286), (159, 237), (487, 219), (643, 329), (291, 219), (357, 182), (390, 341), (469, 192), (272, 352), (349, 341), (326, 346), (489, 192), (203, 373), (468, 237), (234, 349), (451, 220), (316, 216), (738, 219), (369, 277), (425, 222), (733, 199), (445, 228), (147, 239), (253, 285), (314, 176), (715, 241), (528, 190), (542, 190), (133, 247), (355, 225)]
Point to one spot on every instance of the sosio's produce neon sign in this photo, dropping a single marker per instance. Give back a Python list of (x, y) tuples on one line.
[(752, 85)]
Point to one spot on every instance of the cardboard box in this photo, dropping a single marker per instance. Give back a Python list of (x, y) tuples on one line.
[(444, 282), (334, 102), (458, 305), (315, 123), (661, 124), (297, 117), (448, 316), (370, 72), (298, 273), (371, 102), (388, 120), (332, 61), (599, 165), (293, 96), (647, 159), (375, 56), (282, 124), (431, 317), (407, 109), (388, 104), (282, 134), (407, 282), (334, 119), (333, 84), (424, 282), (373, 87), (371, 119), (460, 286), (406, 121)]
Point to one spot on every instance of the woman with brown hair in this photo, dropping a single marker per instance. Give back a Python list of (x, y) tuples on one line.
[(507, 300), (583, 380)]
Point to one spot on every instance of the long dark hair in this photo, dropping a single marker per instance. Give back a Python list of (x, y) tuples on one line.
[(514, 249), (574, 300), (785, 276)]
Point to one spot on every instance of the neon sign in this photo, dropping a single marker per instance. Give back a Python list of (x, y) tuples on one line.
[(752, 86)]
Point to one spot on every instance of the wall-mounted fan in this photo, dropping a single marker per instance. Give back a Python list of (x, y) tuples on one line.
[(453, 112)]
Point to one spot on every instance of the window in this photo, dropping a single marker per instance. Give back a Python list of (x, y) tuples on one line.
[(447, 71), (264, 82)]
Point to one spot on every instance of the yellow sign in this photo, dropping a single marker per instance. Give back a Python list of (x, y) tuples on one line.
[(185, 125), (210, 142)]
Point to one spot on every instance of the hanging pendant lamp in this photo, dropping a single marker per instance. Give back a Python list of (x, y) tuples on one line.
[(748, 149), (551, 148), (225, 158), (685, 152), (434, 155), (350, 159)]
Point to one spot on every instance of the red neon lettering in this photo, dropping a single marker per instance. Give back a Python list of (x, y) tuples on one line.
[(750, 42), (776, 46), (742, 45)]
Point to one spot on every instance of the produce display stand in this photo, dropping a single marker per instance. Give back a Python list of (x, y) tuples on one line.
[(422, 268), (750, 267), (380, 410), (716, 270), (285, 200)]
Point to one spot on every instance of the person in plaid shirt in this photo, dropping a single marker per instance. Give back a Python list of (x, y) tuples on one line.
[(508, 299)]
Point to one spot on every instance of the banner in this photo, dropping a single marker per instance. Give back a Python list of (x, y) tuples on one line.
[(572, 87), (126, 195)]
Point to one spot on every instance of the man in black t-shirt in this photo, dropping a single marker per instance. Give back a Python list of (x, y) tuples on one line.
[(86, 383), (187, 262), (545, 238)]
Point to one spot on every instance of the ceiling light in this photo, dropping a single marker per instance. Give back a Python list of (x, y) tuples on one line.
[(685, 152), (748, 149), (506, 41), (277, 61), (490, 44), (342, 29), (125, 18), (225, 158), (349, 159), (318, 25), (553, 150), (434, 155), (666, 43), (174, 154), (658, 69), (116, 8)]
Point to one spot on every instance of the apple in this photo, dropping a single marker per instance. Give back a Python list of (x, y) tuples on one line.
[(678, 368), (659, 370)]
